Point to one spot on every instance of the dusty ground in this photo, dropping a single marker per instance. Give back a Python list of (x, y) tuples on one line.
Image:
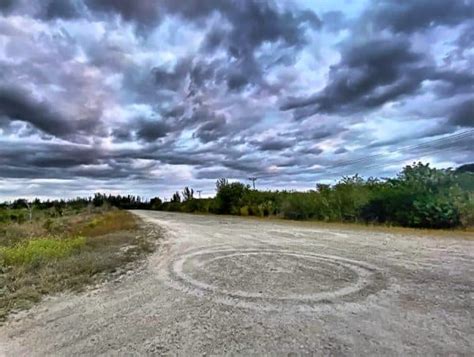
[(222, 285)]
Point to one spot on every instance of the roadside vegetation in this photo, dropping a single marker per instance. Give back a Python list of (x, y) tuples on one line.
[(420, 196), (55, 246)]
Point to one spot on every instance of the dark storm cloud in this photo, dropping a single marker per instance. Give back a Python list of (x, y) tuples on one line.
[(409, 16), (274, 144), (142, 11), (43, 9), (54, 160), (311, 150), (6, 5), (17, 104), (212, 130), (462, 114), (172, 79), (367, 76), (200, 75), (65, 9), (150, 130), (322, 134), (383, 70), (138, 90), (245, 166), (341, 150), (191, 76), (237, 80), (253, 23), (46, 159), (451, 82)]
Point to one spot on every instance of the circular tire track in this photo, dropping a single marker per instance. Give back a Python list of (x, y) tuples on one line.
[(213, 273)]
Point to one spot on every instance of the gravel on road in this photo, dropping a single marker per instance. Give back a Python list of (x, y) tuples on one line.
[(227, 285)]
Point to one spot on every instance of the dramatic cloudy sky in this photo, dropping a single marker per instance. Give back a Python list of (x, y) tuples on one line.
[(147, 96)]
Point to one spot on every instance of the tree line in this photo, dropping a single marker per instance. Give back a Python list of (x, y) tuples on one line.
[(419, 196), (21, 210)]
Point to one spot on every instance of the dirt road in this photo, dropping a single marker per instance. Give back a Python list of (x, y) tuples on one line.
[(219, 285)]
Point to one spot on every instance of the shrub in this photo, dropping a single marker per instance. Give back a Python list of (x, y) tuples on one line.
[(244, 211), (466, 210), (299, 205), (434, 212)]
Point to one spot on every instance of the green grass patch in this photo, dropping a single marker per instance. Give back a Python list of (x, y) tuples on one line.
[(42, 249)]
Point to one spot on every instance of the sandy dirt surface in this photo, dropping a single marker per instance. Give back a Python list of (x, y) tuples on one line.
[(221, 285)]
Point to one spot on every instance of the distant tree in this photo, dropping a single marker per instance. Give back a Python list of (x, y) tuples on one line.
[(222, 182), (229, 196), (322, 187), (98, 199), (19, 203), (188, 194), (176, 198), (155, 203)]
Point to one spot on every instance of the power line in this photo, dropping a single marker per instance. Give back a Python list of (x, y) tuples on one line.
[(421, 149), (457, 136), (425, 148)]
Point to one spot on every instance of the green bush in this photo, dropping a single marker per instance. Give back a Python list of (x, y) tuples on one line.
[(299, 205), (419, 197), (229, 196), (434, 212)]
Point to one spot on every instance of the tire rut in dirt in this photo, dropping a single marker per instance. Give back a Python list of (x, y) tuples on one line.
[(274, 279)]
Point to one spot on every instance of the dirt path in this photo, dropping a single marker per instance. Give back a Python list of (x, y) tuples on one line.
[(220, 284)]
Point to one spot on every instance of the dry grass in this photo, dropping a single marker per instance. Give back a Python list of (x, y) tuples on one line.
[(14, 233), (106, 223), (91, 246), (415, 232)]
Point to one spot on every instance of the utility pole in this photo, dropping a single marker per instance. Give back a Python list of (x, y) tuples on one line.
[(199, 193), (253, 179)]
